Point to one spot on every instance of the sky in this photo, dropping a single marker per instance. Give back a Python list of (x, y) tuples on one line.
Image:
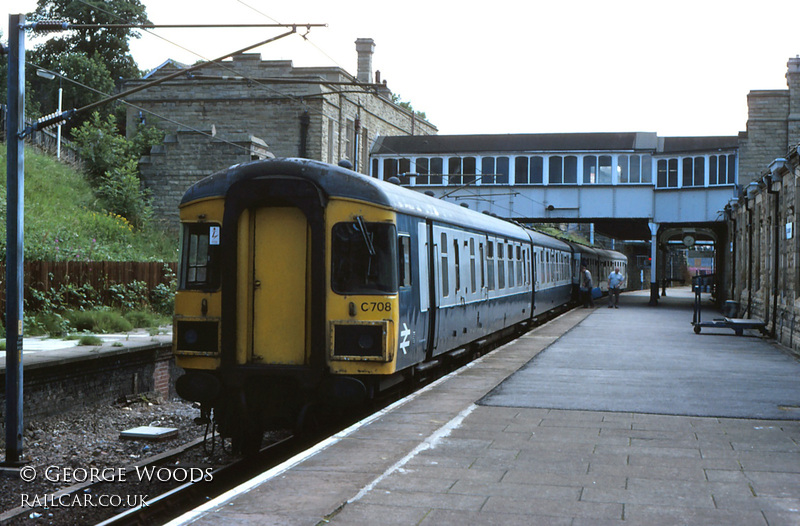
[(677, 68)]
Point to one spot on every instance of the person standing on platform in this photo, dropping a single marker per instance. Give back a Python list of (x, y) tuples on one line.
[(586, 287), (615, 280)]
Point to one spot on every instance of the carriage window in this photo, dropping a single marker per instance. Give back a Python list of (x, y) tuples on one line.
[(457, 256), (364, 258), (200, 262), (490, 264), (472, 270), (445, 268), (483, 276), (404, 258), (511, 266), (501, 268)]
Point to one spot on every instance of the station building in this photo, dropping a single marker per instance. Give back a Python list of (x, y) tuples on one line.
[(763, 244), (247, 108)]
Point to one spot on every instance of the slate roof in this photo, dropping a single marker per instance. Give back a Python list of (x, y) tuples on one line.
[(628, 141)]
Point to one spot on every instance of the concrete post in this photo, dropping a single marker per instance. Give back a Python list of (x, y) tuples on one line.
[(653, 262)]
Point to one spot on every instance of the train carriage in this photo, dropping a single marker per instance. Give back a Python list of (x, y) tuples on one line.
[(305, 285), (552, 268)]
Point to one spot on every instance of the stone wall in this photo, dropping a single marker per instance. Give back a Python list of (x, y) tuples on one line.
[(268, 100), (766, 138), (185, 158), (773, 125), (766, 249)]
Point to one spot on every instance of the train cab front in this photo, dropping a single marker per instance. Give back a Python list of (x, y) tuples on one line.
[(286, 303), (362, 305)]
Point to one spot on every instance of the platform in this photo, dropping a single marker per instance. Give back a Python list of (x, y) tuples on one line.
[(602, 416), (40, 351), (60, 375)]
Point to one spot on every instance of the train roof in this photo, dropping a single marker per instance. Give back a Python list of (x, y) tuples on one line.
[(340, 182), (599, 252), (545, 240)]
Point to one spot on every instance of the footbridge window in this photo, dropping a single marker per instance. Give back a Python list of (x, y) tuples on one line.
[(597, 169), (634, 169), (563, 170), (722, 169), (667, 173), (694, 171)]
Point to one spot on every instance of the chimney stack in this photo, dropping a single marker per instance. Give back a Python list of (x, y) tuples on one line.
[(793, 81), (365, 48)]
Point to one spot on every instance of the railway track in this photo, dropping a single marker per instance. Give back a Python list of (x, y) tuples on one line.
[(169, 484), (150, 492), (192, 493)]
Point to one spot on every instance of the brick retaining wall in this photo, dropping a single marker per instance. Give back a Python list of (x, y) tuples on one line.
[(57, 387)]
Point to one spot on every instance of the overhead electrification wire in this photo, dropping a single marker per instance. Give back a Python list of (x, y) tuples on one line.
[(225, 66), (162, 117), (259, 83)]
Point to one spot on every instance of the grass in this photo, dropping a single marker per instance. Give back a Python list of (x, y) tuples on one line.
[(64, 221), (90, 339), (73, 324)]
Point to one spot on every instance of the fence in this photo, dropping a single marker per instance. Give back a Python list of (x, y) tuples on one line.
[(44, 275), (44, 140)]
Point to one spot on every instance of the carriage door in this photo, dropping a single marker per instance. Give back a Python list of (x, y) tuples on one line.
[(280, 275)]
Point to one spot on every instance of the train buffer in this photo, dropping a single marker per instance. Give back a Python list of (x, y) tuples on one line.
[(737, 324)]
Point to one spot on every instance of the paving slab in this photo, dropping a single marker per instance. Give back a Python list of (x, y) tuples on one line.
[(648, 360), (493, 444)]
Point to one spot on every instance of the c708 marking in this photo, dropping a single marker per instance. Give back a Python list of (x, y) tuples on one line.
[(376, 306)]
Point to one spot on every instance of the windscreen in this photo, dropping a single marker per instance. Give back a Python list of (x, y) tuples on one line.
[(364, 258)]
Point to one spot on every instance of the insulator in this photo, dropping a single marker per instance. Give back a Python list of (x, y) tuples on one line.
[(45, 26), (54, 119)]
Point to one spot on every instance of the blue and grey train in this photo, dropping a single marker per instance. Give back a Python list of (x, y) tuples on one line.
[(304, 285)]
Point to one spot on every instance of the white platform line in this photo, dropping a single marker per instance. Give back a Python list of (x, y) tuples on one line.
[(191, 516)]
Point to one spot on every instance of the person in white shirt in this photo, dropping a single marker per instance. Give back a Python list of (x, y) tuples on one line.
[(615, 280)]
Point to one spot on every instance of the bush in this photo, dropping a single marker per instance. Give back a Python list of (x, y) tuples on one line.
[(90, 339), (66, 221), (119, 190), (98, 321), (112, 164), (130, 296), (141, 319), (45, 324), (162, 297)]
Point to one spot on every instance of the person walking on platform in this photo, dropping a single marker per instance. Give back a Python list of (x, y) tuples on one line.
[(586, 287), (615, 280)]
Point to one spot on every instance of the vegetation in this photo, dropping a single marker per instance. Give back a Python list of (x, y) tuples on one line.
[(90, 57), (65, 221), (407, 105), (102, 215), (575, 237), (112, 166), (69, 310)]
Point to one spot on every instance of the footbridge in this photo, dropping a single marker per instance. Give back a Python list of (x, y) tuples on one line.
[(631, 186)]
